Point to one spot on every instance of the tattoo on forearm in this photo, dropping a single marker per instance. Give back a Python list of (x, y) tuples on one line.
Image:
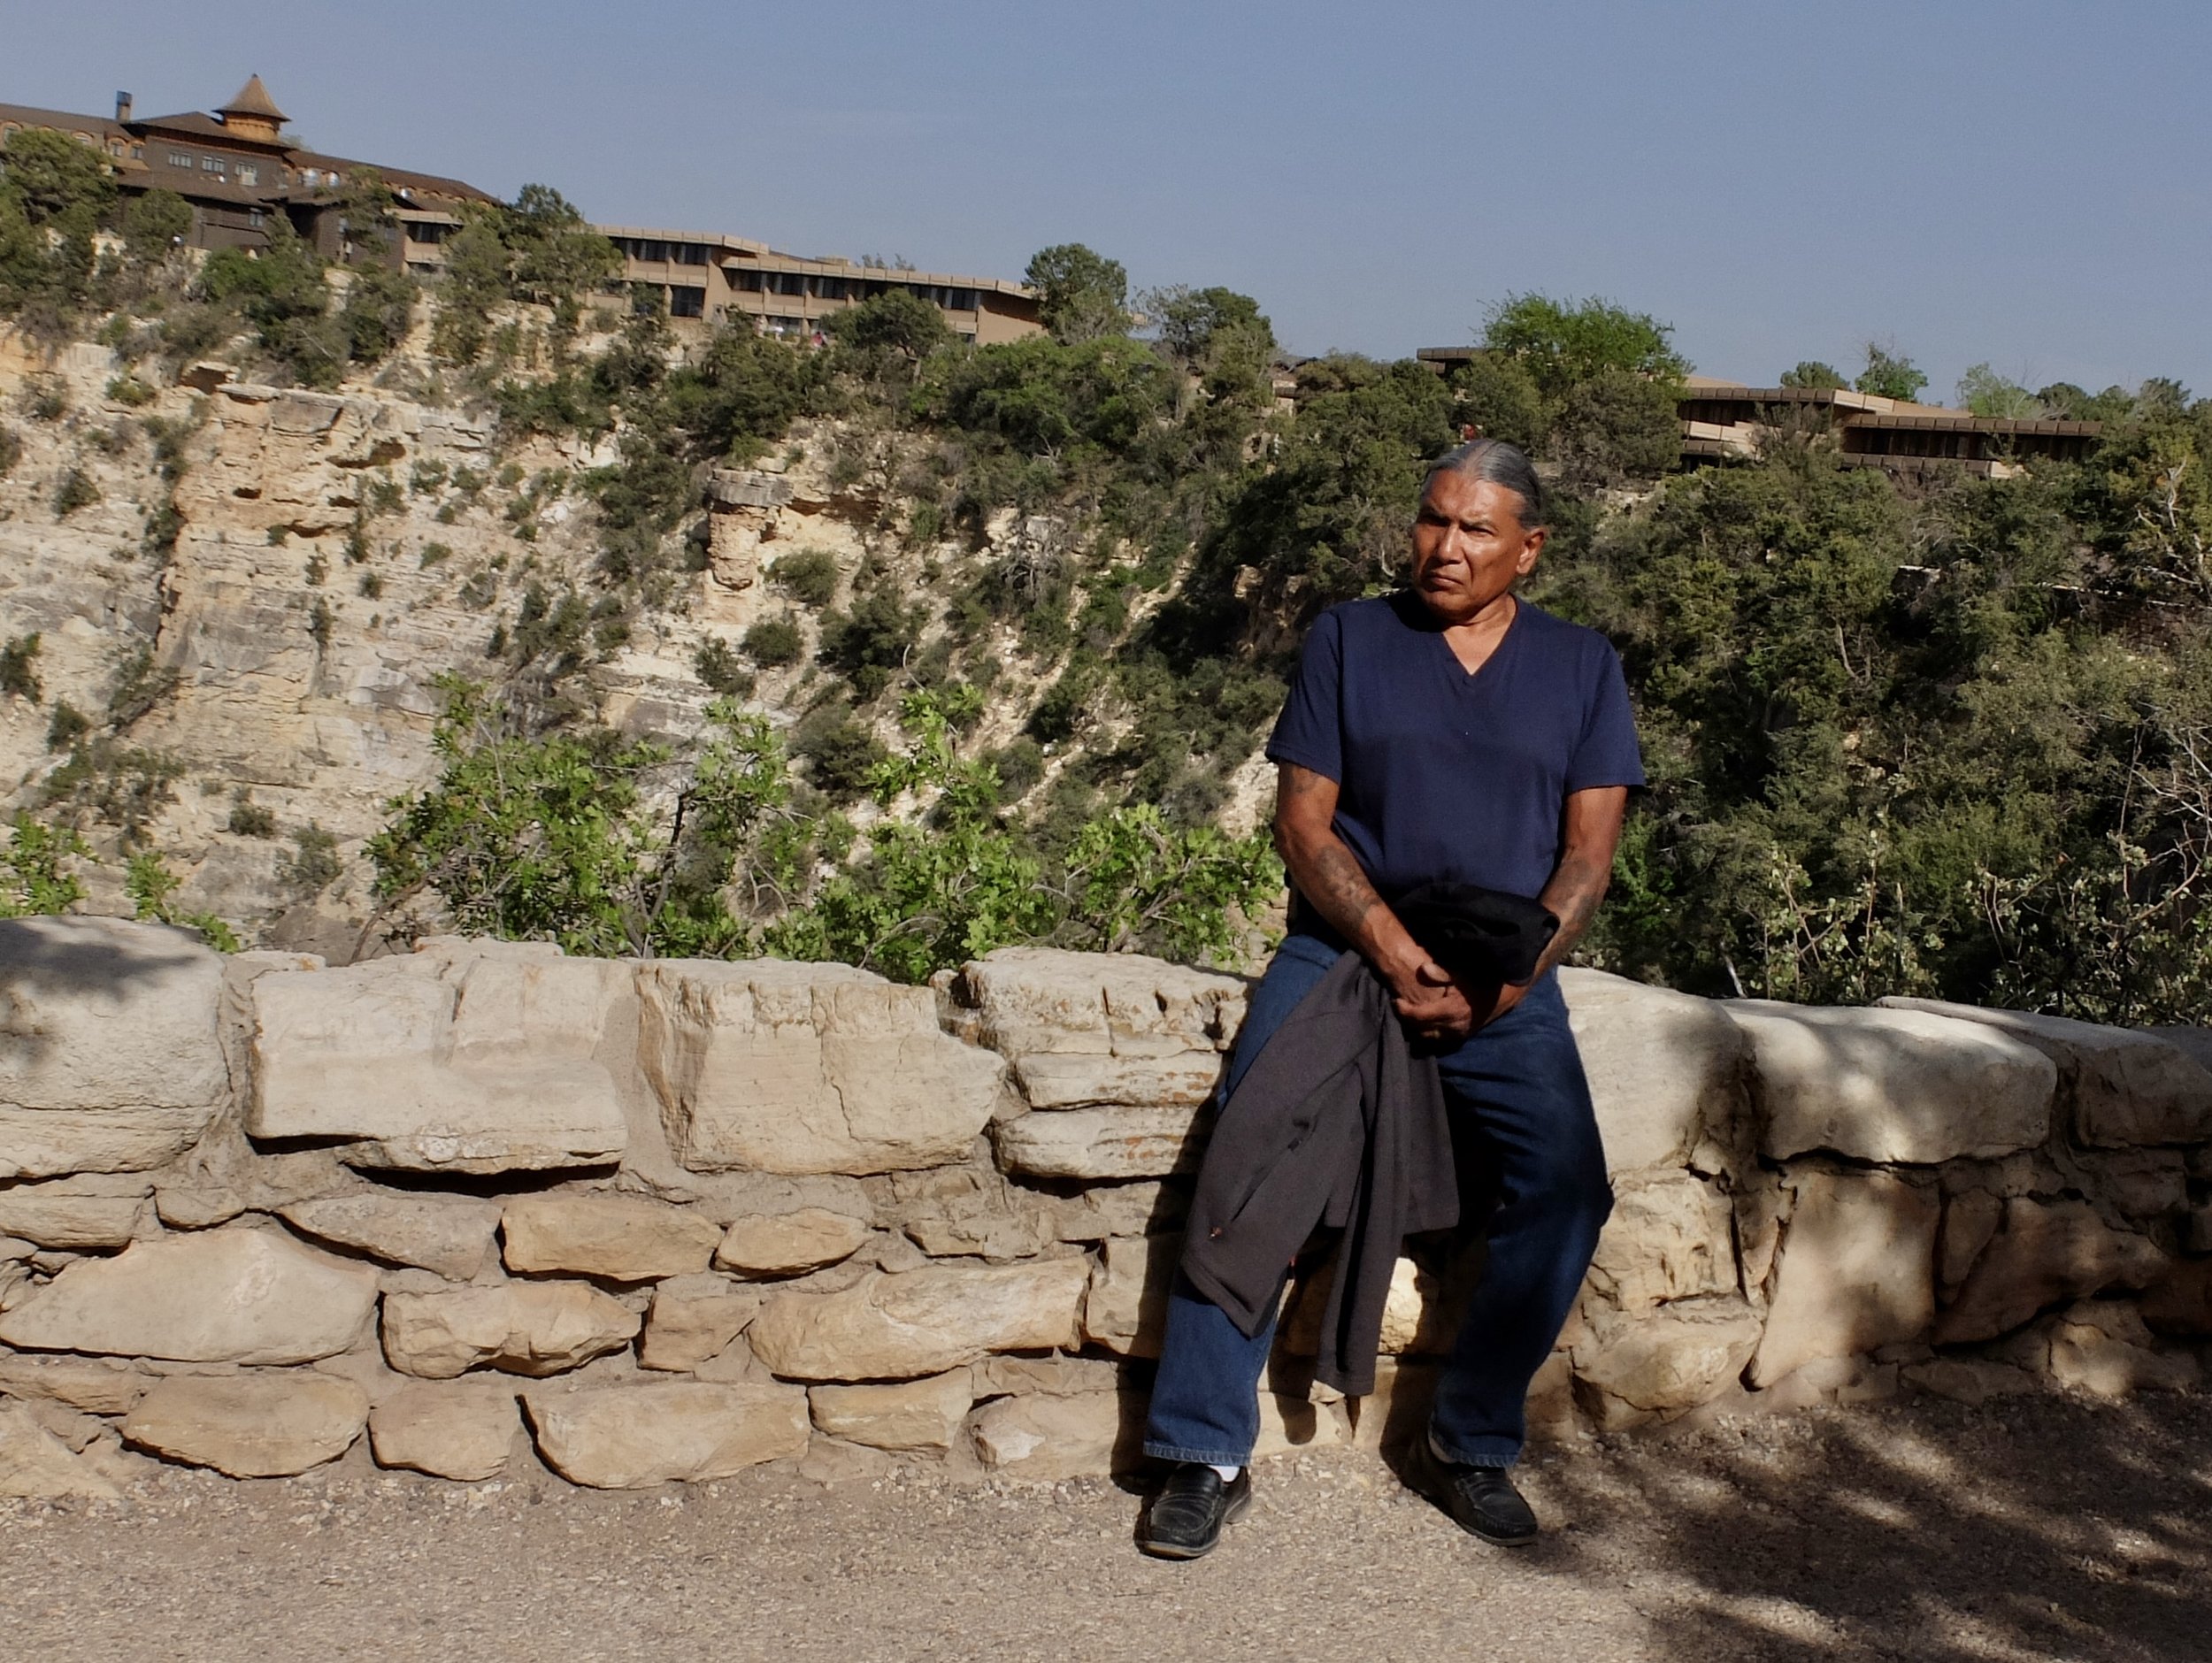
[(1333, 882), (1573, 895)]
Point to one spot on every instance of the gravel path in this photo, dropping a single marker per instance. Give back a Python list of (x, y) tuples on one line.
[(2034, 1529)]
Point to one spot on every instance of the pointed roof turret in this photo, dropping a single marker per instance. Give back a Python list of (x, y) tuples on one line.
[(252, 100)]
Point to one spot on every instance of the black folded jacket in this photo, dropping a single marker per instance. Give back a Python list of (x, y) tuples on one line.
[(1482, 936)]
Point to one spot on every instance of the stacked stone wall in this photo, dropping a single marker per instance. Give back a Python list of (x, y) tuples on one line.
[(484, 1205)]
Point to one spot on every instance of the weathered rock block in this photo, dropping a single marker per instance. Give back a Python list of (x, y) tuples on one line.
[(694, 1318), (521, 1328), (2101, 1346), (1669, 1239), (53, 1216), (1857, 1270), (35, 1465), (459, 1429), (1042, 999), (1969, 1380), (1125, 1142), (619, 1237), (2125, 1088), (911, 1414), (1124, 1309), (1897, 1086), (450, 1235), (2179, 1302), (789, 1244), (2045, 1254), (109, 1056), (250, 1426), (1663, 1066), (774, 1067), (630, 1438), (243, 1296), (1665, 1363), (1042, 1439), (898, 1326), (81, 1382), (442, 1061), (1061, 1080)]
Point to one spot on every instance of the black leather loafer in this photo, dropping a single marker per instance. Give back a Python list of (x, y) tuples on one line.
[(1481, 1500), (1186, 1517)]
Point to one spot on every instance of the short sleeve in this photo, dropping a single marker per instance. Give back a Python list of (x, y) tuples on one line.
[(1310, 733), (1607, 755)]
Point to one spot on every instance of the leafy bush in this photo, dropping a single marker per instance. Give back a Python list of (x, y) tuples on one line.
[(75, 491), (250, 819), (18, 668), (718, 668), (809, 576), (774, 642)]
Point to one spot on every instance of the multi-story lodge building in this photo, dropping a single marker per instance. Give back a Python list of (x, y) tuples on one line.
[(237, 170), (1725, 420), (714, 278)]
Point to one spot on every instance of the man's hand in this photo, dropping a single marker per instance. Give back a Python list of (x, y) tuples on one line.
[(1433, 1005)]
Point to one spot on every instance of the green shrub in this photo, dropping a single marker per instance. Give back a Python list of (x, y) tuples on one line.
[(311, 865), (66, 726), (719, 670), (129, 390), (774, 642), (18, 668), (250, 819), (75, 491), (840, 755), (809, 576)]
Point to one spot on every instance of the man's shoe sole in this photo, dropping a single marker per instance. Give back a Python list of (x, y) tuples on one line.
[(1236, 1510)]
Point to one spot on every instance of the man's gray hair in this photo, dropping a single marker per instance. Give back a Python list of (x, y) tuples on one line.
[(1502, 464)]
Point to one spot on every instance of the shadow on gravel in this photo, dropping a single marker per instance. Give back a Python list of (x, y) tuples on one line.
[(2034, 1527)]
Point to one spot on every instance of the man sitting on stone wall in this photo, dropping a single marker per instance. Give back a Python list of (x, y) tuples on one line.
[(1446, 733)]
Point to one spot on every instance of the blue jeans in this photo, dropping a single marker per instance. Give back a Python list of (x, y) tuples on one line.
[(1516, 1088)]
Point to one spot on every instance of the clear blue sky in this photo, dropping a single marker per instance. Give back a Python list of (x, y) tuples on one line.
[(2022, 183)]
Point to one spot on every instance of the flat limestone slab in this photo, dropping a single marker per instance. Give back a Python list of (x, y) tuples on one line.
[(898, 1325), (2126, 1088), (250, 1426), (1905, 1087), (772, 1067), (444, 1061), (1126, 1141), (235, 1295), (1663, 1066), (633, 1436), (110, 1059), (1047, 999)]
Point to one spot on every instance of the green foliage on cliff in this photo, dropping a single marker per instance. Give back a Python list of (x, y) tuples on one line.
[(611, 846), (1950, 741)]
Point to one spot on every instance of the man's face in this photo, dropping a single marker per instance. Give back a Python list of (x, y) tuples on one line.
[(1469, 546)]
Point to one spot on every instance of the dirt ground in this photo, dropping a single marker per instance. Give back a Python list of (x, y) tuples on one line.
[(2042, 1527)]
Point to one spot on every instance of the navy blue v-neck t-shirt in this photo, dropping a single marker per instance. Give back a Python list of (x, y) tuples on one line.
[(1446, 775)]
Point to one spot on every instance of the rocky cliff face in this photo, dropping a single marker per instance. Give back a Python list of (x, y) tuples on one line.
[(268, 584)]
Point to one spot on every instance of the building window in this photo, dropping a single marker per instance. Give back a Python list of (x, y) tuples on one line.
[(249, 172), (419, 231), (254, 218), (827, 288), (786, 282), (962, 300), (691, 254), (179, 158), (743, 277), (687, 302), (212, 165)]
